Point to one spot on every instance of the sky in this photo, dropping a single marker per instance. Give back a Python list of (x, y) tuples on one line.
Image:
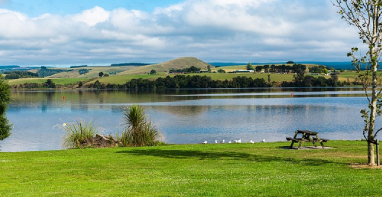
[(99, 32)]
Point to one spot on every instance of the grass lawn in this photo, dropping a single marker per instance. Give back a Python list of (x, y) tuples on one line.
[(261, 169)]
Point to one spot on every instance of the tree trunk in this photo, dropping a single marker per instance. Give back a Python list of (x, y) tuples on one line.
[(374, 68)]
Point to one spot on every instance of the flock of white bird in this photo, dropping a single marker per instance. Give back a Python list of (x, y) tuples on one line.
[(234, 141)]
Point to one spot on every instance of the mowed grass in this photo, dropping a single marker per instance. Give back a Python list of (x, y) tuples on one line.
[(261, 169)]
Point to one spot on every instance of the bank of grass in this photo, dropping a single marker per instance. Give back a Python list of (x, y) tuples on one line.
[(261, 169)]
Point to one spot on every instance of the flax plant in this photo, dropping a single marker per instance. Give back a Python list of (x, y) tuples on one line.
[(138, 131)]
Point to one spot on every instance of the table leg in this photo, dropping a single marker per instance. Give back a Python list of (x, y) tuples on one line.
[(300, 144), (294, 137), (291, 146), (311, 139)]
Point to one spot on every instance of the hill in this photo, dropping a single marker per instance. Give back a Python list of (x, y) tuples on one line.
[(179, 63)]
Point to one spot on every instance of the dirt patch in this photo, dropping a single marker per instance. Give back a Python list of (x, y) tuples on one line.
[(364, 166)]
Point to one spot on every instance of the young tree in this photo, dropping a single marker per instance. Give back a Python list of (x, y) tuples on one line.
[(249, 66), (153, 72), (5, 96), (366, 16)]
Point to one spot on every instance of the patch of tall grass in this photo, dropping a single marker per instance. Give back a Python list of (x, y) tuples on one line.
[(139, 131), (78, 134)]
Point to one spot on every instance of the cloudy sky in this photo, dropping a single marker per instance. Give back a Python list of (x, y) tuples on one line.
[(100, 32)]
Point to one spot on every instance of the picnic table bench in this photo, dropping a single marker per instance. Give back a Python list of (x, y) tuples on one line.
[(307, 136)]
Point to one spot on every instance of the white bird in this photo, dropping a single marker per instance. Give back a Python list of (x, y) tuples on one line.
[(252, 142), (223, 141), (205, 142), (263, 140), (216, 141), (229, 142)]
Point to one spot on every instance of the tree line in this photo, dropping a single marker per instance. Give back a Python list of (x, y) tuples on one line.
[(281, 68), (19, 74), (182, 81)]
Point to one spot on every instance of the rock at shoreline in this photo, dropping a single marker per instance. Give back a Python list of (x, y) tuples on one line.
[(101, 141)]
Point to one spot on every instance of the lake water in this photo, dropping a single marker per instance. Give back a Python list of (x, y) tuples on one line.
[(188, 116)]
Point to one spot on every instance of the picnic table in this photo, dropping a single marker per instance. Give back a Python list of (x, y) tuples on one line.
[(307, 136)]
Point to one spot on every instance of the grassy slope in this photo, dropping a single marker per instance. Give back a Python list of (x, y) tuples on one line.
[(262, 169), (94, 71), (179, 63), (58, 81)]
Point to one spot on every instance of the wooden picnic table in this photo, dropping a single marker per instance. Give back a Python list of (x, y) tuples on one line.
[(307, 136)]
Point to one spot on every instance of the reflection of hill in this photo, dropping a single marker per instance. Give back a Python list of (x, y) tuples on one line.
[(181, 110)]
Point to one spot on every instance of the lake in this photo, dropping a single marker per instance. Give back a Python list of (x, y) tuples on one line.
[(188, 116)]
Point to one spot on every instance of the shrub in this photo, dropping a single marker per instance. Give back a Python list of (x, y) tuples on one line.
[(78, 134), (139, 131)]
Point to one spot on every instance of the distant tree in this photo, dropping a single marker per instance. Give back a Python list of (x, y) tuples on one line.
[(249, 66), (83, 71), (290, 62), (266, 68), (318, 69), (299, 77), (49, 84), (209, 68), (80, 84), (221, 71), (259, 68), (153, 72), (97, 85), (193, 69), (5, 96), (100, 74)]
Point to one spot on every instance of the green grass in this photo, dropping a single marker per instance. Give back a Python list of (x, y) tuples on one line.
[(125, 78), (261, 169), (57, 81)]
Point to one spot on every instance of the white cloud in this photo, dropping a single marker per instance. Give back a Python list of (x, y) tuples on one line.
[(92, 16), (213, 30)]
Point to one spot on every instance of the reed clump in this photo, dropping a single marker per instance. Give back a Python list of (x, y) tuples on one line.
[(138, 131), (78, 134)]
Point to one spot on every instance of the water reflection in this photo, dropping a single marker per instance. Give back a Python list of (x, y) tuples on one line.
[(188, 116)]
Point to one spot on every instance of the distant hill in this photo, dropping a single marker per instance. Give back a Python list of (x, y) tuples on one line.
[(130, 64), (179, 63)]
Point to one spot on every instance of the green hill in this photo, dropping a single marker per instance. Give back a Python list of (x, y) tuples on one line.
[(179, 63)]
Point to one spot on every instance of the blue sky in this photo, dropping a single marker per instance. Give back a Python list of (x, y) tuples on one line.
[(35, 8), (100, 32)]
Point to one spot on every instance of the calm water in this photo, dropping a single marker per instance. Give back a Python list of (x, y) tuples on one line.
[(188, 116)]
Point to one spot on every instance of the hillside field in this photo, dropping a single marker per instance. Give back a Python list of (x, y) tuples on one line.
[(123, 74)]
